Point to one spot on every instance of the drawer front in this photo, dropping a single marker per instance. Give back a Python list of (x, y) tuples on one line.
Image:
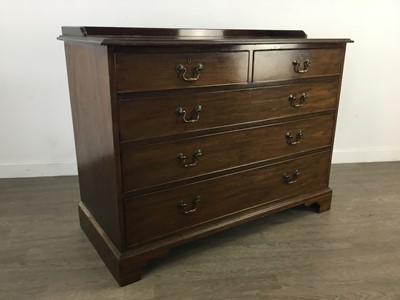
[(156, 164), (159, 214), (291, 64), (177, 114), (163, 71)]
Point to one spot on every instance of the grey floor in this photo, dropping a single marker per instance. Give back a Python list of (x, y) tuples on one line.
[(350, 252)]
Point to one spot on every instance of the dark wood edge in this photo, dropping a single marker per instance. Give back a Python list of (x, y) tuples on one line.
[(151, 32), (163, 36), (101, 242), (183, 42), (337, 106), (207, 43), (125, 269)]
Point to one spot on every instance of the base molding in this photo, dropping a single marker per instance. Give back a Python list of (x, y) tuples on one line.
[(127, 267)]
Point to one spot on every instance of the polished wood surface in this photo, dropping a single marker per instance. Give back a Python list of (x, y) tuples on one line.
[(221, 151), (278, 65), (262, 144), (120, 36), (173, 33), (94, 136), (158, 71), (157, 115), (221, 197)]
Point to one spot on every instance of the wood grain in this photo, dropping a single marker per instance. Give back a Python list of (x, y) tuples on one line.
[(157, 71), (221, 197), (157, 116), (90, 95), (278, 65), (220, 152)]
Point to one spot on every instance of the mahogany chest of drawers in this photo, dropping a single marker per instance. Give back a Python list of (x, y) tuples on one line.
[(182, 133)]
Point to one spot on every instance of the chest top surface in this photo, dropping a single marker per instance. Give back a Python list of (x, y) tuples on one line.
[(144, 36)]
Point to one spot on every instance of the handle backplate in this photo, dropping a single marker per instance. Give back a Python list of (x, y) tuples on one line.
[(292, 100), (291, 141), (291, 179), (195, 159), (195, 205), (306, 66), (195, 115), (196, 72)]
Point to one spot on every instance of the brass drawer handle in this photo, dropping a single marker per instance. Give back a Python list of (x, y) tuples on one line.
[(196, 72), (291, 179), (306, 66), (182, 206), (292, 100), (195, 115), (182, 158), (289, 138)]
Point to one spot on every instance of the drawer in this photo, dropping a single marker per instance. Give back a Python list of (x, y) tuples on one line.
[(291, 64), (156, 164), (155, 215), (163, 71), (169, 115)]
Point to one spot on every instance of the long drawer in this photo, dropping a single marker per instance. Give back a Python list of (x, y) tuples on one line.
[(163, 71), (155, 215), (175, 114), (155, 164), (291, 64)]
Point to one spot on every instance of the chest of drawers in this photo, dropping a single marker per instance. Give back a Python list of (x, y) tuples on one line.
[(182, 133)]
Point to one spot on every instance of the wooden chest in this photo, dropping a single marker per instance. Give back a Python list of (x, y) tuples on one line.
[(182, 133)]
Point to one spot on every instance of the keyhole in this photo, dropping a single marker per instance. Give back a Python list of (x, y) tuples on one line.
[(189, 60)]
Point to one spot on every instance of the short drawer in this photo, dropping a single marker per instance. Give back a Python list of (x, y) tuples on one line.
[(157, 164), (290, 64), (169, 115), (164, 71), (156, 215)]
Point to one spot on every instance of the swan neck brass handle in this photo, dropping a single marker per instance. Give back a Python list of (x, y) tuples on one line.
[(292, 100), (195, 159), (195, 205), (196, 72), (289, 138), (306, 66), (195, 115), (291, 179)]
